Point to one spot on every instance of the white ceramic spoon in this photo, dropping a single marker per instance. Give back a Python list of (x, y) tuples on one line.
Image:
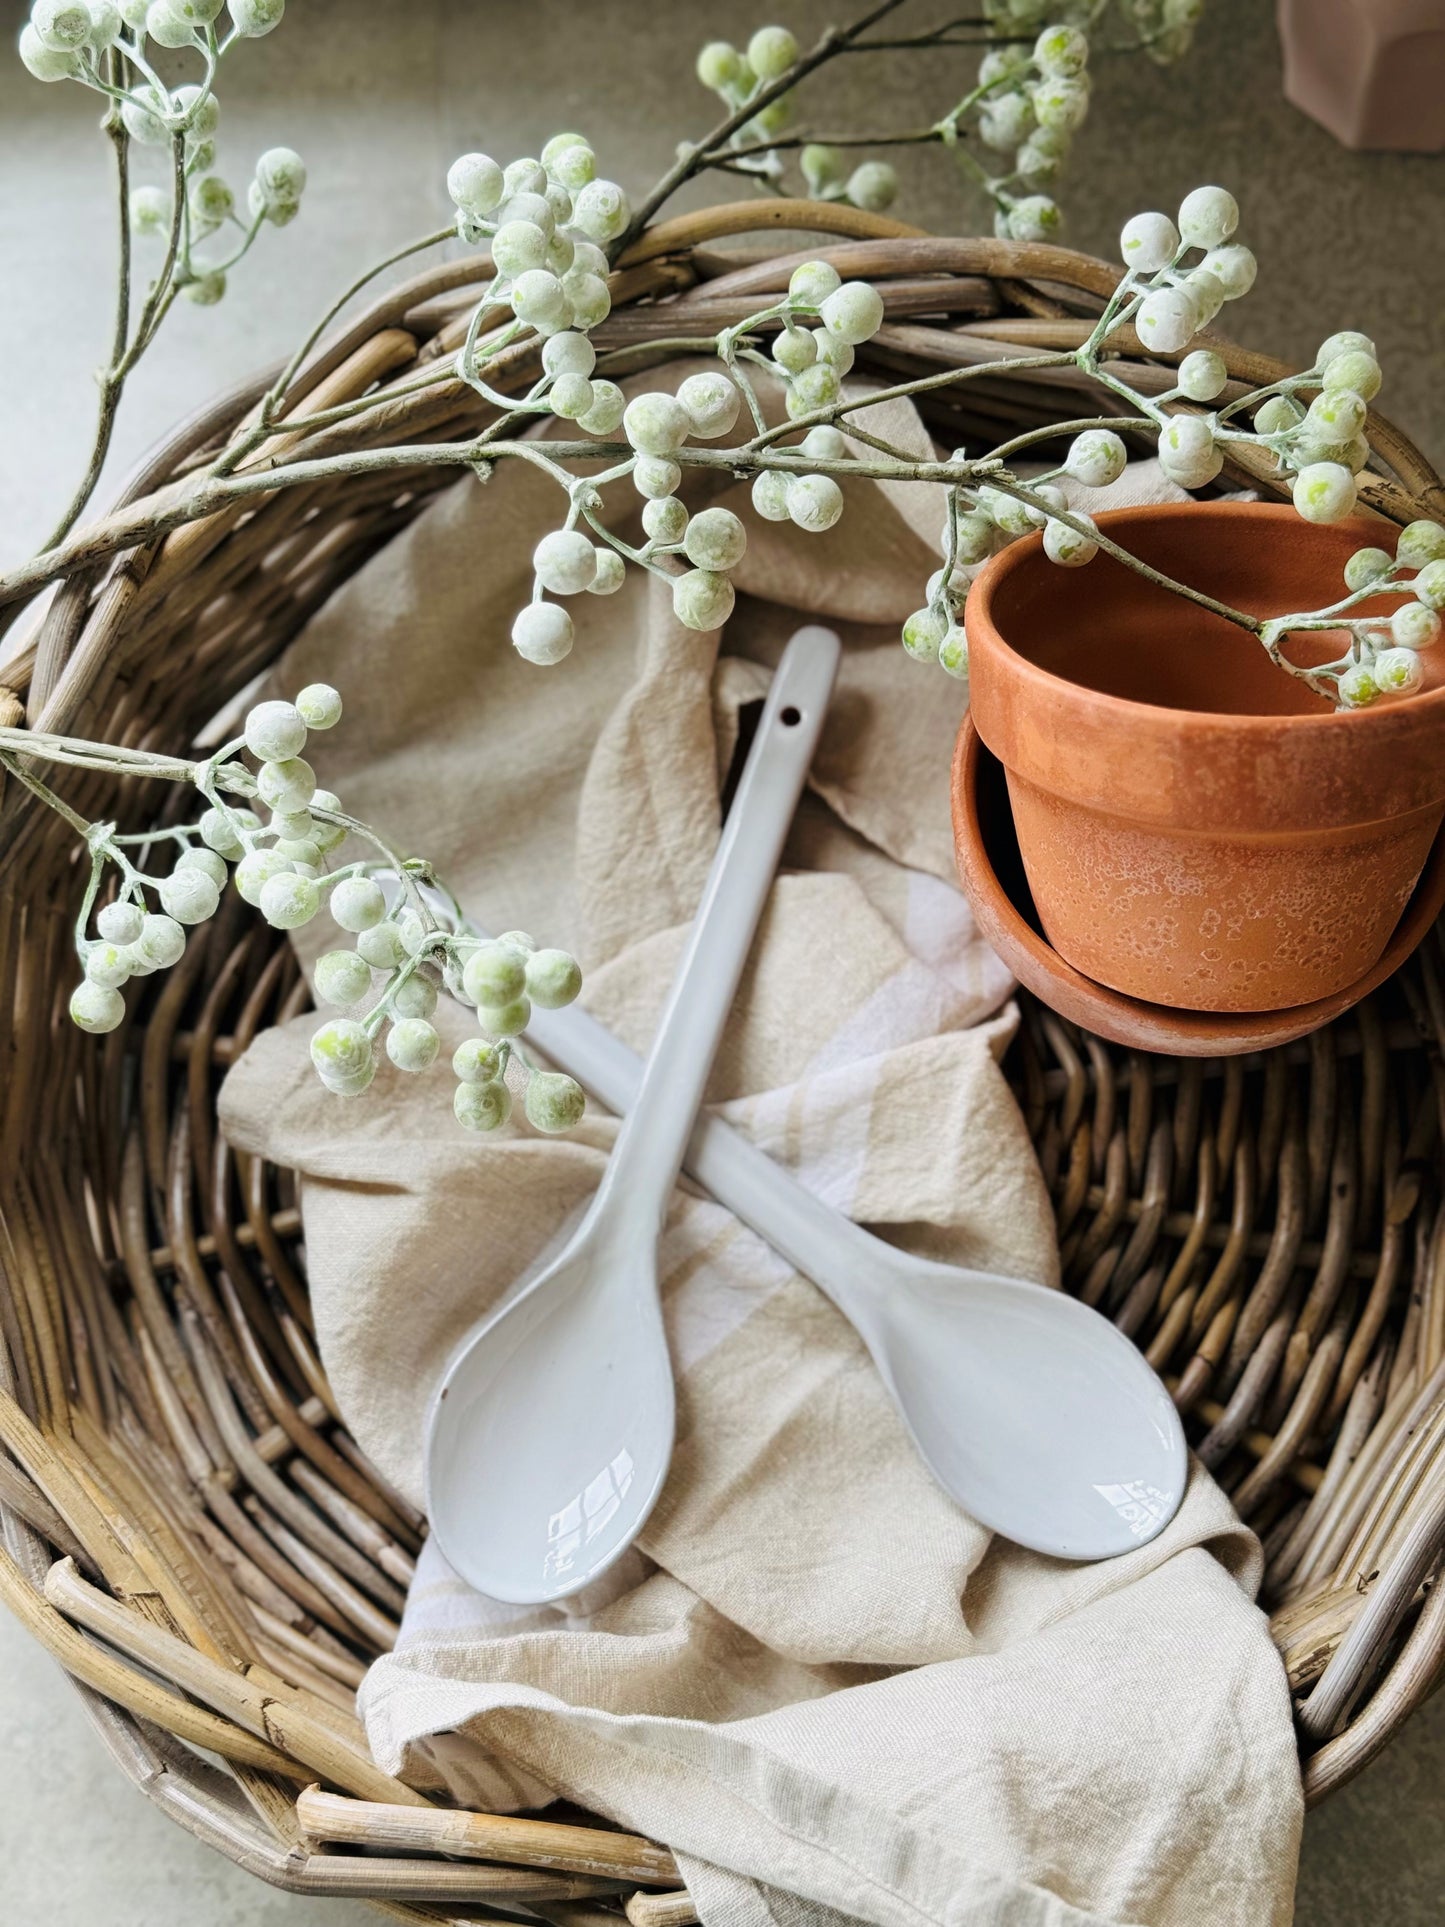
[(1032, 1410), (550, 1434)]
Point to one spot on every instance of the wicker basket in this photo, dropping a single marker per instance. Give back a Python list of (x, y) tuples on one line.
[(190, 1530)]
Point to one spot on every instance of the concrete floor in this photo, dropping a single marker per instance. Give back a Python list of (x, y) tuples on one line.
[(379, 98)]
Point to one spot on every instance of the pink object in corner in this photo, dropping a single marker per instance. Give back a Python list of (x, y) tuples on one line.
[(1370, 71)]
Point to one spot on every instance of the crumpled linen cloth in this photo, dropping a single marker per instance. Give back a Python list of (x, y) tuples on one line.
[(833, 1694)]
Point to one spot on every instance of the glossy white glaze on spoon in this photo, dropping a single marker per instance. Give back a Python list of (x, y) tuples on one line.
[(550, 1435)]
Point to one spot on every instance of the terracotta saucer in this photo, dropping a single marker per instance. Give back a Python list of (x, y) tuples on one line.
[(993, 879)]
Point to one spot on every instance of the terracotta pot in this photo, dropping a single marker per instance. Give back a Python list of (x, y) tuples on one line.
[(995, 884), (1197, 828)]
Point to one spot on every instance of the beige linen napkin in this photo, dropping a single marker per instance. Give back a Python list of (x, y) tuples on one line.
[(815, 1678)]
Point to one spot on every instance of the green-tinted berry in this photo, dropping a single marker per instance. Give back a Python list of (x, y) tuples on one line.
[(554, 1102), (1357, 687), (611, 573), (1097, 457), (1347, 341), (188, 895), (711, 402), (794, 350), (1429, 585), (655, 477), (108, 965), (770, 494), (1202, 375), (357, 903), (416, 997), (702, 599), (924, 630), (288, 900), (1066, 547), (505, 1020), (381, 945), (1148, 242), (342, 977), (342, 1054), (120, 923), (1420, 543), (1399, 672), (715, 539), (275, 731), (812, 282), (1278, 415), (564, 562), (482, 1107), (96, 1008), (1366, 566), (815, 502), (873, 186), (656, 424), (853, 312), (412, 1044), (1414, 626), (207, 862), (1208, 216), (319, 706), (771, 51), (822, 167), (1324, 492), (476, 1061), (495, 974), (1356, 371), (553, 978), (953, 653), (287, 785)]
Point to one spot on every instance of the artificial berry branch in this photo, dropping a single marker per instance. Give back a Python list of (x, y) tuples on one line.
[(410, 940)]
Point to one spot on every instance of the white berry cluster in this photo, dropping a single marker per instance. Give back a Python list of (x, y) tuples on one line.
[(404, 948), (1032, 101), (738, 77), (72, 40), (1384, 658), (1320, 442), (656, 426), (278, 865), (1163, 28), (1175, 300), (502, 980), (549, 222), (1323, 444)]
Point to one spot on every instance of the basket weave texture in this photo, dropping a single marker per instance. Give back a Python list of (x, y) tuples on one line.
[(187, 1525)]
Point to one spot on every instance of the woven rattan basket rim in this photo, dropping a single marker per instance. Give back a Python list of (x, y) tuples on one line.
[(165, 1422)]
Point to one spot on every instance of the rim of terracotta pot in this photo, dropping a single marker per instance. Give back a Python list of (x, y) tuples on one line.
[(1040, 723)]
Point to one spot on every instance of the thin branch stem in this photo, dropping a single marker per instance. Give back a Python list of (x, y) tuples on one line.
[(111, 382), (275, 396), (832, 42)]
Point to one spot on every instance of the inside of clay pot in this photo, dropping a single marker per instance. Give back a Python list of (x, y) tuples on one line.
[(1108, 628)]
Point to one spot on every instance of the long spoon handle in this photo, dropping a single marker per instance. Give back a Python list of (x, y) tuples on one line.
[(648, 1154), (814, 1237)]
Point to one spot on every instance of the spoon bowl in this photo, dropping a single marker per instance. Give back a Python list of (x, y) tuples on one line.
[(575, 1367), (1034, 1411)]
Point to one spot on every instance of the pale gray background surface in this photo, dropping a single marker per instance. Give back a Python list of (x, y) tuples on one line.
[(379, 97)]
